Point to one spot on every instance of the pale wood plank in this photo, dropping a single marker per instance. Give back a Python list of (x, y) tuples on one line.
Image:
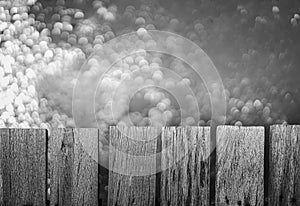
[(23, 166), (73, 167), (284, 181), (185, 166), (132, 164), (240, 169), (1, 180)]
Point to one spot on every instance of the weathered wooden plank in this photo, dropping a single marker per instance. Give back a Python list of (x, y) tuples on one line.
[(240, 170), (23, 166), (284, 181), (1, 180), (73, 167), (185, 166), (103, 167), (132, 164)]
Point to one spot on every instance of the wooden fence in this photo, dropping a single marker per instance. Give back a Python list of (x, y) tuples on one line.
[(253, 166)]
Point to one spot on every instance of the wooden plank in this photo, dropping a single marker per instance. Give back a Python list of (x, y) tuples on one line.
[(73, 167), (240, 170), (185, 166), (284, 183), (103, 167), (23, 166), (132, 164), (1, 180)]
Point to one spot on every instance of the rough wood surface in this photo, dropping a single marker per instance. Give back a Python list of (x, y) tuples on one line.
[(240, 158), (73, 169), (103, 160), (23, 163), (132, 164), (284, 184), (185, 166), (1, 180)]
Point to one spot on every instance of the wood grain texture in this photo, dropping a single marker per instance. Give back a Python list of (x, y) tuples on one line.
[(185, 166), (23, 166), (132, 166), (73, 169), (240, 170), (284, 184), (2, 133), (103, 157)]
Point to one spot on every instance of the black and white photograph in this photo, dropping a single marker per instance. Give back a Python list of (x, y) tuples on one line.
[(149, 103)]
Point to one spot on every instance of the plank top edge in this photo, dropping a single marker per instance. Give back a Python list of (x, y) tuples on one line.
[(219, 126), (222, 127), (233, 126), (37, 129), (283, 126)]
